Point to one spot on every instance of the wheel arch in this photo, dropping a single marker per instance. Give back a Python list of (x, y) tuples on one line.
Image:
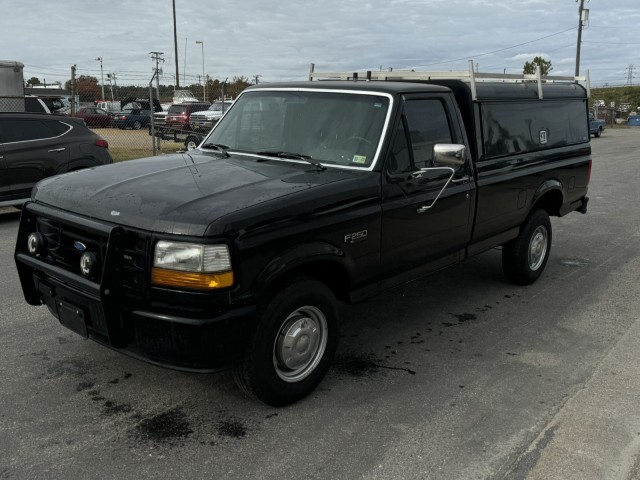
[(549, 197), (321, 261), (80, 164)]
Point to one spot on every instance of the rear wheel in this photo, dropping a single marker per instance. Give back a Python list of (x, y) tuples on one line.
[(293, 345), (599, 132), (137, 125), (525, 257)]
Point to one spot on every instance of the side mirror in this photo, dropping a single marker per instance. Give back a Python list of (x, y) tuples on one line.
[(449, 155)]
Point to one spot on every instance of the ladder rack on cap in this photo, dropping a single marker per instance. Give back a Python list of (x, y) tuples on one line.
[(470, 76)]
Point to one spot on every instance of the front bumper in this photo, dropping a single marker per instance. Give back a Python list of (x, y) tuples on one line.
[(182, 330)]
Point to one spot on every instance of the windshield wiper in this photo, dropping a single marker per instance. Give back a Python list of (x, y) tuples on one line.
[(292, 156), (219, 147)]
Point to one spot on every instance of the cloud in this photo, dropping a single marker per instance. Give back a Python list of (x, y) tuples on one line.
[(278, 40)]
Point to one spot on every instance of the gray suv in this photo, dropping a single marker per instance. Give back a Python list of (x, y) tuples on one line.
[(35, 146)]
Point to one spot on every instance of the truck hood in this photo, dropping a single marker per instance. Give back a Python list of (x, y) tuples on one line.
[(181, 193)]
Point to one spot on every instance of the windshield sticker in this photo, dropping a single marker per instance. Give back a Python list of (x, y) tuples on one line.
[(359, 159), (377, 105)]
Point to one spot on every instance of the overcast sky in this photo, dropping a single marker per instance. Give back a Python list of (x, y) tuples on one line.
[(278, 40)]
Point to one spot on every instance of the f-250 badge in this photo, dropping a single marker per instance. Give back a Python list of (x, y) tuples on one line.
[(355, 237)]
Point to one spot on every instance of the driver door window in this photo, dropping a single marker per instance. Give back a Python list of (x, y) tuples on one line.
[(427, 124)]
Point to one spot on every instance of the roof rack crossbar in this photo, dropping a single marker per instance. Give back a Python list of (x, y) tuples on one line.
[(470, 76)]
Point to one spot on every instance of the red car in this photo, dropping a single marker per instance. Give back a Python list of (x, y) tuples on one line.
[(94, 117), (179, 114)]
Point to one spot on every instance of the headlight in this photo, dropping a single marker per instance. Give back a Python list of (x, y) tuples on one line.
[(191, 265)]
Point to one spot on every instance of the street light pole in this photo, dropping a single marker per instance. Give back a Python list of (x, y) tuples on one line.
[(175, 46), (204, 88), (101, 76)]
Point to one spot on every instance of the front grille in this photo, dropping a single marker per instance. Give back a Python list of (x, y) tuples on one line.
[(134, 262), (63, 245), (62, 242)]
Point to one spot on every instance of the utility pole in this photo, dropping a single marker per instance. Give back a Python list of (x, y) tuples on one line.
[(175, 45), (73, 90), (157, 57), (110, 85), (101, 76), (222, 91), (583, 19), (256, 78)]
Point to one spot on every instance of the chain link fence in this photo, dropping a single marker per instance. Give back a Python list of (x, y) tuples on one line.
[(136, 121), (125, 121)]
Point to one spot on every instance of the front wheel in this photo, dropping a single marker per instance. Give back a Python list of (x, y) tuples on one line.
[(525, 257), (137, 125), (293, 345)]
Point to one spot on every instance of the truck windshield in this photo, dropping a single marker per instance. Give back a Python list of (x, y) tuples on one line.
[(333, 128)]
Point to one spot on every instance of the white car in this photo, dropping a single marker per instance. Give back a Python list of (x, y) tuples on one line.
[(204, 120)]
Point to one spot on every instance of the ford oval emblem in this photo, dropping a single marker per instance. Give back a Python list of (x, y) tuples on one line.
[(81, 247)]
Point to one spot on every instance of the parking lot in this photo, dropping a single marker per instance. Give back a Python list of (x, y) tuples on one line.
[(130, 144), (457, 376)]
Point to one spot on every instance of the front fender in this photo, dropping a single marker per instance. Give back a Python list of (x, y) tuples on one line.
[(295, 258)]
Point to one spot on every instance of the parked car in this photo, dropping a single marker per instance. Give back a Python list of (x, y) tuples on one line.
[(179, 114), (33, 104), (112, 107), (134, 118), (130, 103), (57, 105), (596, 127), (94, 117), (35, 146), (204, 120)]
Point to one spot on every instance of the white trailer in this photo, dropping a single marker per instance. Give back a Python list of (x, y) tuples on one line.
[(11, 86)]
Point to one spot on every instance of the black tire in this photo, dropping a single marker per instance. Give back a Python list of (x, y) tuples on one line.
[(191, 142), (598, 133), (301, 320), (525, 257), (137, 125)]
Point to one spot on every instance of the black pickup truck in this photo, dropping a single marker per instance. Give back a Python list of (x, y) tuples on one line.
[(304, 194)]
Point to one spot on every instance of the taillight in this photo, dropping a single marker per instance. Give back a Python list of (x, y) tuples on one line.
[(123, 117), (102, 143)]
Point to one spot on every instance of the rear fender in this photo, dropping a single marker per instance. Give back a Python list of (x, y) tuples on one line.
[(549, 196)]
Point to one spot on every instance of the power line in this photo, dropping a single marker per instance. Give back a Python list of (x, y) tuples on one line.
[(494, 51), (614, 43)]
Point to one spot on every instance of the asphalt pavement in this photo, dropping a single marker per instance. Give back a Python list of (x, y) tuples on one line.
[(457, 376)]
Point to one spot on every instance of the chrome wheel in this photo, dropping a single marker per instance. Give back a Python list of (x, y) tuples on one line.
[(300, 344), (538, 247)]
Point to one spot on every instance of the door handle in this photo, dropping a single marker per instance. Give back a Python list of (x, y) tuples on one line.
[(464, 179), (57, 150)]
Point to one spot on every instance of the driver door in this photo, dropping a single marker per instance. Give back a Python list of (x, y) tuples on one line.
[(426, 208)]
